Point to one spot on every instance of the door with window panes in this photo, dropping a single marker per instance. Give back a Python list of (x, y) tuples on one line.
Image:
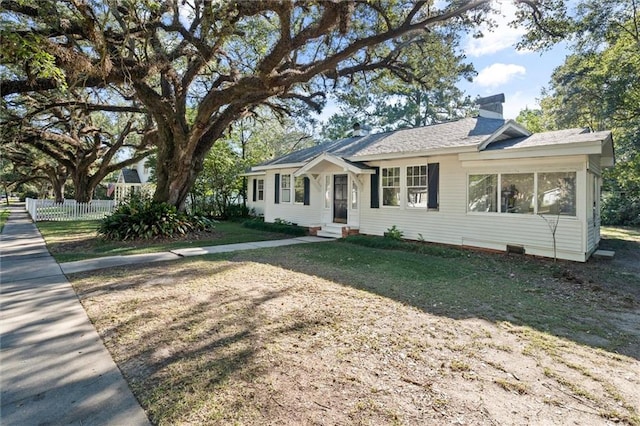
[(340, 198)]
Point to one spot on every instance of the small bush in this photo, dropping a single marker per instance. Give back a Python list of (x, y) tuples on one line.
[(279, 227), (142, 218), (394, 233), (620, 210), (28, 194), (237, 211), (386, 243)]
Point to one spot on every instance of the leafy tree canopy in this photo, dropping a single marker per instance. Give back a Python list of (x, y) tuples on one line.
[(598, 87), (67, 134), (224, 59)]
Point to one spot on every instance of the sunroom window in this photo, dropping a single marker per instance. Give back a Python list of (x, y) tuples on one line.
[(417, 186), (391, 186), (483, 193), (557, 193), (516, 193)]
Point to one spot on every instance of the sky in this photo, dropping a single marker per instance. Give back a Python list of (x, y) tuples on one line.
[(520, 75)]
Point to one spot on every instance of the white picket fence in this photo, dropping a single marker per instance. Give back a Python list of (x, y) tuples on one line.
[(41, 210)]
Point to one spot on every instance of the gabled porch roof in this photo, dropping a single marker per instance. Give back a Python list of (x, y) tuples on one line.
[(317, 165)]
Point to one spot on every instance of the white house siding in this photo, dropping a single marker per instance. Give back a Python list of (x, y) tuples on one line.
[(593, 212), (143, 172), (257, 206), (451, 224), (296, 213)]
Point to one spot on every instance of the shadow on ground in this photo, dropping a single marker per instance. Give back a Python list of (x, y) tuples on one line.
[(593, 303)]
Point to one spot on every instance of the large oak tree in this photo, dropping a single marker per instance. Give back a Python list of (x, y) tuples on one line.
[(221, 58), (62, 135)]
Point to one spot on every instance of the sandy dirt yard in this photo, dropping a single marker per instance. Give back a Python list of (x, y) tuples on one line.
[(291, 337)]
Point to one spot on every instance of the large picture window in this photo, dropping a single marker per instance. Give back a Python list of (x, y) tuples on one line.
[(557, 193), (417, 186), (554, 193), (391, 186), (483, 193), (285, 188), (516, 193)]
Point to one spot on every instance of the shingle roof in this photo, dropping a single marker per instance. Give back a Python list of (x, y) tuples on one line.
[(460, 133), (130, 176), (566, 136), (464, 133)]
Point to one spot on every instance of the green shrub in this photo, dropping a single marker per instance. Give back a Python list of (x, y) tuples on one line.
[(386, 243), (28, 194), (279, 227), (237, 211), (620, 210), (394, 233), (142, 218)]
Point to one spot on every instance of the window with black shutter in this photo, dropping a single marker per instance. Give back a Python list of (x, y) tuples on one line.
[(433, 185)]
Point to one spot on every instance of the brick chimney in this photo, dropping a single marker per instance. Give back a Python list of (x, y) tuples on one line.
[(491, 106)]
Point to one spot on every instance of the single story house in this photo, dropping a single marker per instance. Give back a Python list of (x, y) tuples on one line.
[(131, 180), (483, 182)]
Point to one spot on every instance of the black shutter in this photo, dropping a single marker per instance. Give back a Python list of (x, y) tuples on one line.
[(433, 184), (277, 193), (307, 188), (375, 191), (255, 189)]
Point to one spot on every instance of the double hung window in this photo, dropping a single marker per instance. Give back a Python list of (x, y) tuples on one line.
[(391, 186)]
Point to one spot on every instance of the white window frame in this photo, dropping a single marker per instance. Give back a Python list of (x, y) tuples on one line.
[(536, 182), (383, 186), (284, 188), (328, 195), (425, 186), (259, 189), (533, 193), (355, 194)]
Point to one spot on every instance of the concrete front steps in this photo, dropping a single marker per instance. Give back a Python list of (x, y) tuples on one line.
[(332, 230)]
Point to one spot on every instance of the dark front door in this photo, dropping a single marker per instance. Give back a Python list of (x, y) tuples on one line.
[(340, 198)]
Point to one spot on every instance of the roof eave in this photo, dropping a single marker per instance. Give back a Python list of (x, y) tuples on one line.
[(332, 159), (253, 173), (548, 150), (277, 166), (411, 154)]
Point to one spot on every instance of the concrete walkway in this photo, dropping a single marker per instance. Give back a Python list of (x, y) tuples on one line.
[(54, 368), (133, 259)]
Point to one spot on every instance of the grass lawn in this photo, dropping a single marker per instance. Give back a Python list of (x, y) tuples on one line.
[(4, 215), (76, 240), (338, 333)]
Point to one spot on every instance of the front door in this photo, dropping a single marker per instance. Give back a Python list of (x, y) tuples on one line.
[(340, 198)]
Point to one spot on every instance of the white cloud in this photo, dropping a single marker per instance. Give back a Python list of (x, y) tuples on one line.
[(518, 101), (501, 37), (496, 74)]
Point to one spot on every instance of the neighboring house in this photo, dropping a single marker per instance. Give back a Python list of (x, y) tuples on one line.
[(482, 182), (132, 180)]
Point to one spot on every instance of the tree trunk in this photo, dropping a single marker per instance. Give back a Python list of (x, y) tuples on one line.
[(83, 187), (58, 178), (58, 190), (176, 177)]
